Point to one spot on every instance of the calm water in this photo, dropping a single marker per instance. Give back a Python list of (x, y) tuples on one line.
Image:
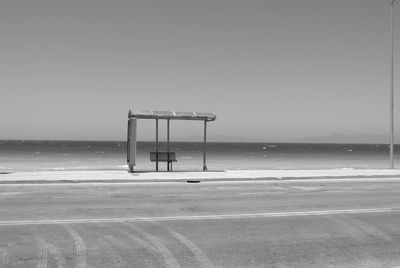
[(89, 155)]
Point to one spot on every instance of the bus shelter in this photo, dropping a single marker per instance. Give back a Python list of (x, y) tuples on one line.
[(159, 156)]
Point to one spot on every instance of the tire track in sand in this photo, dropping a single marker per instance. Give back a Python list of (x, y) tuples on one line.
[(369, 229), (345, 225), (115, 257), (169, 258), (197, 252), (4, 258), (54, 251), (42, 251), (80, 247), (134, 239)]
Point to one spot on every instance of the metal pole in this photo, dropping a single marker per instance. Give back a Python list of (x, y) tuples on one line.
[(204, 146), (128, 144), (156, 144), (167, 144), (392, 88)]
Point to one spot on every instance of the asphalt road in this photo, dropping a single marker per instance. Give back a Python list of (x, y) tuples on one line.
[(318, 223)]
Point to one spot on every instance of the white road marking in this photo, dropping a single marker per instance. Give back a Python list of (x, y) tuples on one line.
[(305, 188), (80, 247), (177, 195), (204, 217), (10, 193), (254, 193)]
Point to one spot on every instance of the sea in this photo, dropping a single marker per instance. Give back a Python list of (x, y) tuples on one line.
[(44, 155)]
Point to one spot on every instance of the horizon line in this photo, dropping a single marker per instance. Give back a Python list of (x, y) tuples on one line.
[(187, 141)]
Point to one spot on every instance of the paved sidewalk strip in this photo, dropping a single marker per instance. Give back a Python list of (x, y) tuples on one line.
[(122, 176)]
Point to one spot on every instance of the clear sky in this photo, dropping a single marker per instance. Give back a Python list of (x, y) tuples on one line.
[(271, 70)]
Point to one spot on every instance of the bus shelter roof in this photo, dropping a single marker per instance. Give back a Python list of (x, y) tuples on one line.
[(151, 114)]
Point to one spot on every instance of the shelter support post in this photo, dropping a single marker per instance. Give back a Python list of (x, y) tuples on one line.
[(131, 144), (204, 146), (167, 144), (156, 144)]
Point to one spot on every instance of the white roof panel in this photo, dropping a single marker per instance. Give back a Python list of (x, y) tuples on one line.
[(150, 114)]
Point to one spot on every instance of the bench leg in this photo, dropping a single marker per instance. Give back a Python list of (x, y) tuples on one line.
[(169, 166)]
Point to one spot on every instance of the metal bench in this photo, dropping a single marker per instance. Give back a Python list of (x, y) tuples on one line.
[(168, 157)]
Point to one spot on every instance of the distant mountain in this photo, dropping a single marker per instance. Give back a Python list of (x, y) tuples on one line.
[(215, 138)]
